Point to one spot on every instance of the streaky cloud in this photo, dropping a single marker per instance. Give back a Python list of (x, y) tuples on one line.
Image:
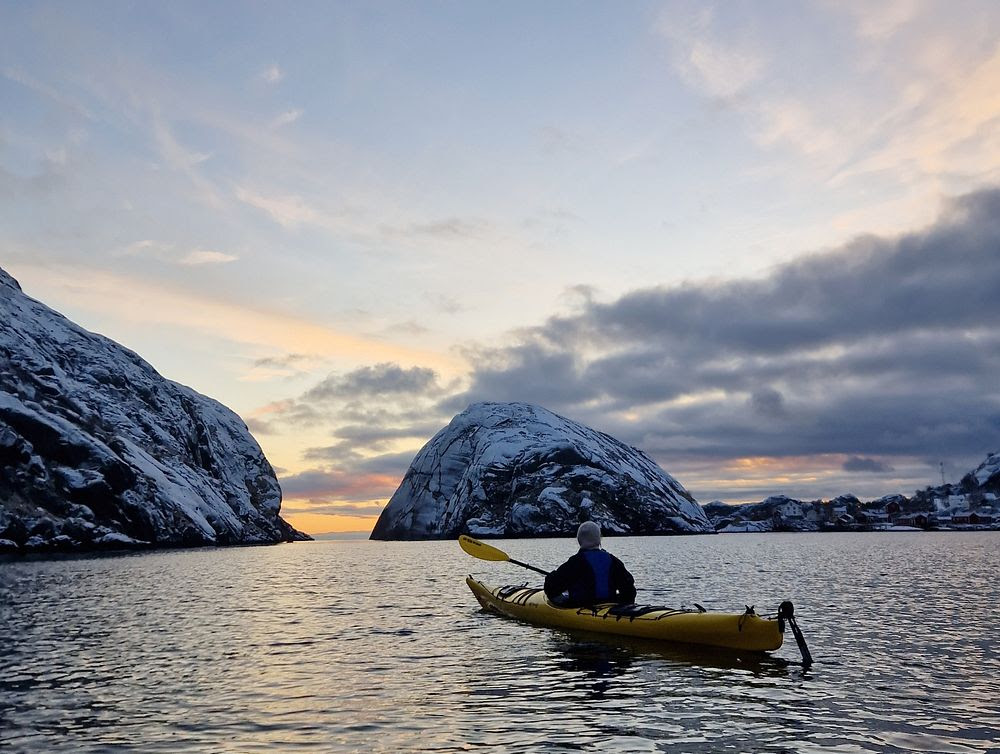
[(857, 463)]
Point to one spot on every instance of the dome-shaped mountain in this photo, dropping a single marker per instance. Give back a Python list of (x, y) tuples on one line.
[(517, 470), (98, 450)]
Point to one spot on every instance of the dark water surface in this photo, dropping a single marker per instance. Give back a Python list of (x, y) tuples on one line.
[(373, 646)]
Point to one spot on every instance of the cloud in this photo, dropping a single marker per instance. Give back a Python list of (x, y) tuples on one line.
[(338, 485), (260, 426), (409, 328), (444, 303), (909, 111), (343, 458), (272, 75), (856, 463), (718, 69), (380, 414), (334, 509), (447, 229), (287, 211), (167, 252), (884, 347), (369, 435), (285, 361), (283, 367), (287, 117), (205, 256), (381, 380), (19, 76), (767, 403), (879, 20)]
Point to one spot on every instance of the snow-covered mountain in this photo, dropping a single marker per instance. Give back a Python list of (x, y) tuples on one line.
[(98, 450), (515, 470)]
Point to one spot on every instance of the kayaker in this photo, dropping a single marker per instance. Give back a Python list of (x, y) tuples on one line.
[(592, 575)]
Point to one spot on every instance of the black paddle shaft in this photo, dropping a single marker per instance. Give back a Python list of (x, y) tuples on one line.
[(527, 565)]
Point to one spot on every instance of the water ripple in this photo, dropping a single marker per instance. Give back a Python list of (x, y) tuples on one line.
[(322, 647)]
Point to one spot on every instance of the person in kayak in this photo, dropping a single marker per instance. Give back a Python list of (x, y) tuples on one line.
[(592, 575)]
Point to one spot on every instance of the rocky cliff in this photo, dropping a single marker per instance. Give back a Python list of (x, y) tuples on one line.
[(516, 470), (98, 450)]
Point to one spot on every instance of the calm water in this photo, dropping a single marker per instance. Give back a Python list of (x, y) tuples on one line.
[(370, 646)]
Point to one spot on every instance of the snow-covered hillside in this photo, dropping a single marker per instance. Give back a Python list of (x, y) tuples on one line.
[(514, 470), (987, 475), (98, 450)]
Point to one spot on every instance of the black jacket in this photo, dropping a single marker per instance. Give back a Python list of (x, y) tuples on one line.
[(577, 577)]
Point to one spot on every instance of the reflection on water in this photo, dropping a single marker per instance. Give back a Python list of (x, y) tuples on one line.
[(371, 646)]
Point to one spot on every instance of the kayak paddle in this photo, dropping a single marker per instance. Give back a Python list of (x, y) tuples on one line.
[(483, 551)]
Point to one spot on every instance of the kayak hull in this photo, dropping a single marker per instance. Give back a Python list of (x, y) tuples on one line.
[(746, 632)]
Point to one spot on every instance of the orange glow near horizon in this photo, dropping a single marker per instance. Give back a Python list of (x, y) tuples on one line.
[(323, 523)]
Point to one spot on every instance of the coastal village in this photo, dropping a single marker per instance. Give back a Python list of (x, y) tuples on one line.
[(971, 505)]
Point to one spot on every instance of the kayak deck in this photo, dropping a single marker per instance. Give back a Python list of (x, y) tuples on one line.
[(741, 631)]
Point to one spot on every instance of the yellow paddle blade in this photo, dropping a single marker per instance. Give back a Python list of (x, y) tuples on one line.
[(481, 550)]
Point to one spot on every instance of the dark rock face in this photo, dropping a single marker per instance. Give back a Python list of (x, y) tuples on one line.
[(97, 450), (517, 470)]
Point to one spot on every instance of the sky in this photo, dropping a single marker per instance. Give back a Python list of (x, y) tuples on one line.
[(758, 240)]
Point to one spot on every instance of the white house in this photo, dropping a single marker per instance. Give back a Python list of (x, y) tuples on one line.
[(791, 509)]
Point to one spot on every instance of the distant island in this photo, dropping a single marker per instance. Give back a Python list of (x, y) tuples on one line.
[(972, 504)]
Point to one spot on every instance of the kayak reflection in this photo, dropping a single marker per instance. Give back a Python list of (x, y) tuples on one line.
[(608, 656), (596, 663)]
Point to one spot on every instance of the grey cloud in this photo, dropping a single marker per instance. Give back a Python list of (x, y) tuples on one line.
[(260, 427), (340, 453), (637, 376), (445, 303), (299, 413), (372, 435), (409, 328), (856, 463), (449, 228), (310, 483), (946, 276), (387, 464), (379, 380), (885, 347), (768, 403), (282, 362), (531, 372)]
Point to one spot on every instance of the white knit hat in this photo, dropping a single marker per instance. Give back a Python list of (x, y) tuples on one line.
[(589, 535)]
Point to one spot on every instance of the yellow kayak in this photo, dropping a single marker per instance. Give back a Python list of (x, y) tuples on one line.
[(746, 631)]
